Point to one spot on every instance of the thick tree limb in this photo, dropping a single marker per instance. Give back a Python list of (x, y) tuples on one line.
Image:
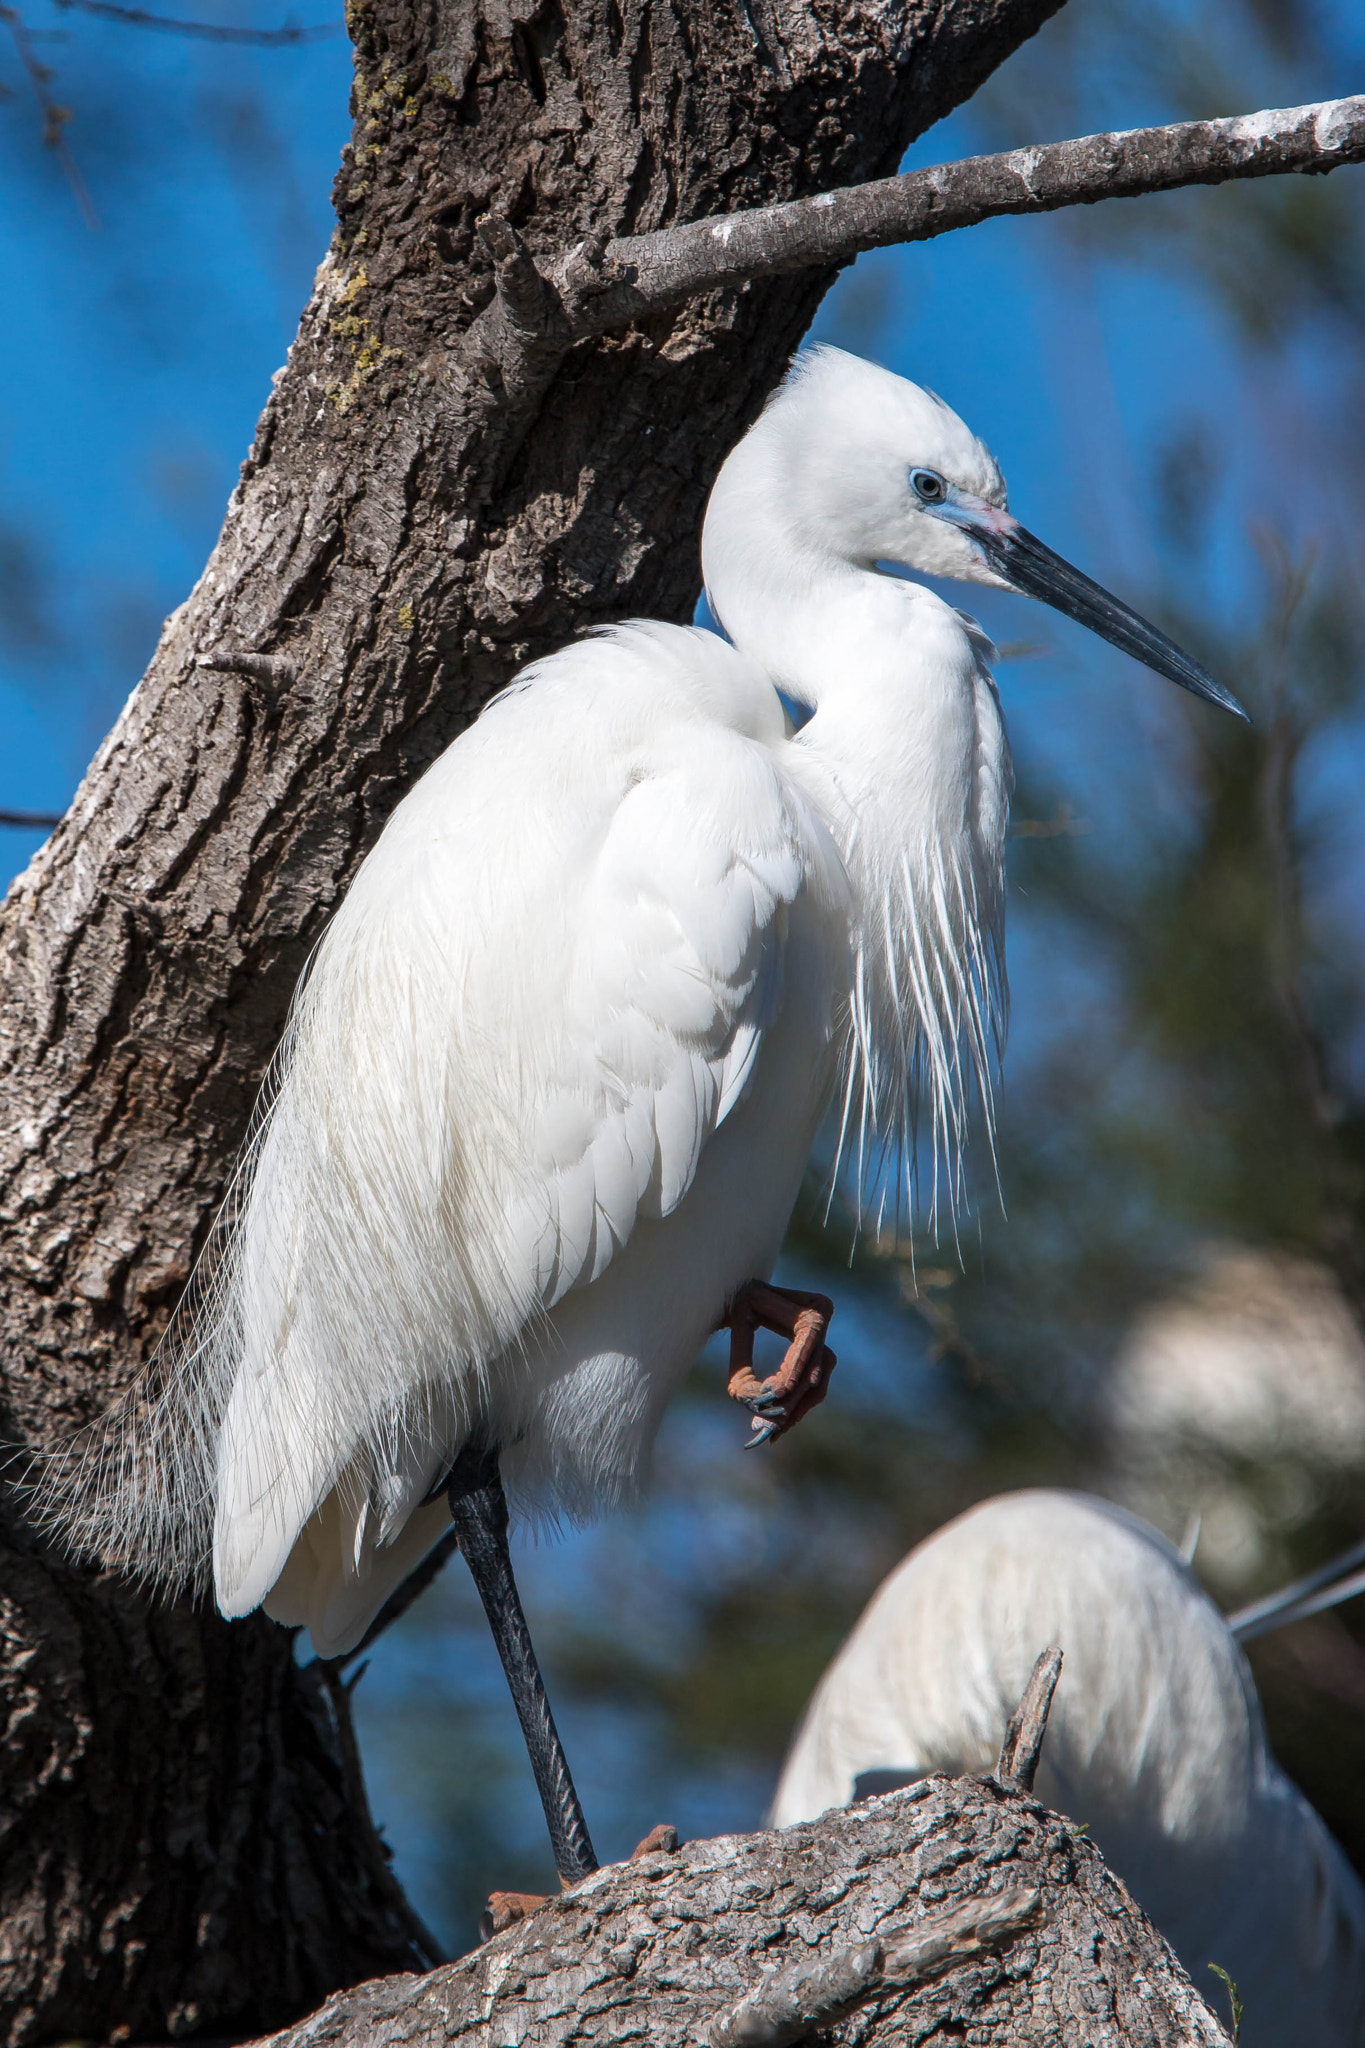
[(954, 1910), (640, 274)]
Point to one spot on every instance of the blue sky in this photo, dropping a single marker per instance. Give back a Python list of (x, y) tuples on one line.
[(134, 359)]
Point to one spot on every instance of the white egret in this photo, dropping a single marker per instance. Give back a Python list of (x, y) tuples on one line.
[(549, 1087), (1155, 1740)]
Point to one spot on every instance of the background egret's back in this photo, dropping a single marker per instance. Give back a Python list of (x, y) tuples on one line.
[(1155, 1741)]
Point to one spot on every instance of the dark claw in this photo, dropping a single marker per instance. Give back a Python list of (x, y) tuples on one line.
[(485, 1925), (764, 1404), (761, 1436)]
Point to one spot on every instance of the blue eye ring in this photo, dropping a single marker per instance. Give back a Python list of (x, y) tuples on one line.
[(928, 486)]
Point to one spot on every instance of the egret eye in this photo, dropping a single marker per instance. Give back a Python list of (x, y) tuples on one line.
[(929, 485)]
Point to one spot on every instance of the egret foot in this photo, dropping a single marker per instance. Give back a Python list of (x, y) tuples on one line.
[(802, 1380), (504, 1909), (660, 1840), (478, 1508)]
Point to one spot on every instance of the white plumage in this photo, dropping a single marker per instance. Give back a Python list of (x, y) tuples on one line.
[(1155, 1740), (550, 1085), (590, 970)]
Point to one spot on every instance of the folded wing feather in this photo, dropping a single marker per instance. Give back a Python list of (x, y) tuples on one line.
[(547, 988)]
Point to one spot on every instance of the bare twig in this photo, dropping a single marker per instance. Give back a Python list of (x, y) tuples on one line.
[(643, 273), (32, 821), (401, 1600), (1343, 1578), (415, 1928), (1023, 1743), (208, 31), (55, 117)]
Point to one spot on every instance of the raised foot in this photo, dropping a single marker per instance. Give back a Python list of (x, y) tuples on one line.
[(802, 1380), (504, 1909)]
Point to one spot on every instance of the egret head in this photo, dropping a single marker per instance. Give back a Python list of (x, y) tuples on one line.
[(869, 468), (866, 461)]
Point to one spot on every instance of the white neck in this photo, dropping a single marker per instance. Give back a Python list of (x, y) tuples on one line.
[(906, 760), (893, 674), (776, 590)]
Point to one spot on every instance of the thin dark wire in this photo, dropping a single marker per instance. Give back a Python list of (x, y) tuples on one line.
[(207, 31), (32, 821)]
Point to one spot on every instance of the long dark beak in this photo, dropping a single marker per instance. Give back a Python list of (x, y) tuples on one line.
[(1032, 568)]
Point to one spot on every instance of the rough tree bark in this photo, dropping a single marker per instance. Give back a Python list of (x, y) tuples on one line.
[(444, 483), (180, 1850), (955, 1911)]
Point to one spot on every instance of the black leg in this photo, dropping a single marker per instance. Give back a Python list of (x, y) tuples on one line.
[(478, 1507)]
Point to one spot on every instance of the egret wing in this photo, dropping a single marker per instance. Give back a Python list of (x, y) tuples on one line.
[(547, 987), (676, 972)]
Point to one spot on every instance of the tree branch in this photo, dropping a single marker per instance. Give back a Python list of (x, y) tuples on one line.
[(32, 821), (208, 31), (958, 1908), (642, 274)]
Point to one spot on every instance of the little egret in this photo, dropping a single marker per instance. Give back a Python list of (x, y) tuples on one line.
[(1155, 1740), (549, 1086)]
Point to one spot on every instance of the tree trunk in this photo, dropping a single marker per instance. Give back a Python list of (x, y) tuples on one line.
[(184, 1844), (956, 1911)]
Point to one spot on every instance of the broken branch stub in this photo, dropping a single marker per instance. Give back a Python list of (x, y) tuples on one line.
[(1023, 1743)]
